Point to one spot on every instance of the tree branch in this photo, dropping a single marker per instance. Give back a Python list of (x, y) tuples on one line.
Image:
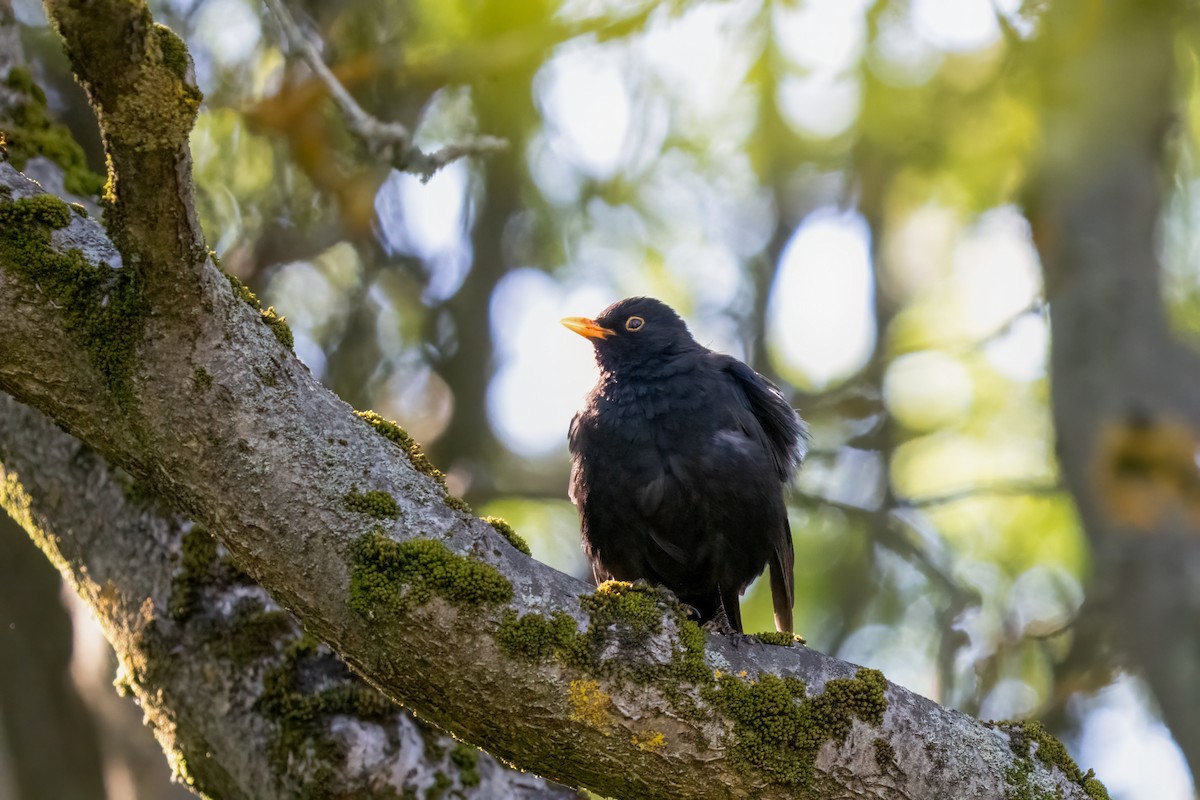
[(391, 142), (243, 704)]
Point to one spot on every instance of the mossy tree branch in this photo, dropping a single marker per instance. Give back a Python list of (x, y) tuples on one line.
[(244, 705), (206, 407)]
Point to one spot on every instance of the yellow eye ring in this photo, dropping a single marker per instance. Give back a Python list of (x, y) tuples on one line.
[(633, 323)]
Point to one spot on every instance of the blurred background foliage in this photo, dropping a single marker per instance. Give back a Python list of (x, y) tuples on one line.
[(828, 189)]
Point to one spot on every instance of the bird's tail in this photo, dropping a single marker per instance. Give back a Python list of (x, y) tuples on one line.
[(781, 595)]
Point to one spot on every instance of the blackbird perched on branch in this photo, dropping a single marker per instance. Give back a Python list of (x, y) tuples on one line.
[(679, 459)]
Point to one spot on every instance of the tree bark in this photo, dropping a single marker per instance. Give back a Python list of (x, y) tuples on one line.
[(206, 407)]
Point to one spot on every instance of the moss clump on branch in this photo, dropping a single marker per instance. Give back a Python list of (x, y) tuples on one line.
[(399, 437), (616, 609), (276, 323), (103, 308), (504, 529), (195, 570), (1030, 740), (389, 577), (466, 758), (778, 727), (885, 754), (29, 132), (380, 505), (620, 603), (174, 51), (158, 111), (778, 638), (535, 636), (303, 717)]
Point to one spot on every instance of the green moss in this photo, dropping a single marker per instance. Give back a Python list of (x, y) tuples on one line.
[(466, 758), (303, 716), (617, 602), (79, 209), (380, 505), (398, 436), (458, 504), (691, 667), (103, 308), (389, 577), (28, 131), (201, 380), (195, 570), (1030, 739), (158, 111), (174, 51), (506, 530), (253, 632), (279, 327), (534, 636), (885, 754), (616, 610), (441, 784), (20, 79), (778, 638), (276, 323), (778, 728)]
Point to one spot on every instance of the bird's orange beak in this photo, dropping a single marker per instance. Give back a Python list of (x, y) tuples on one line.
[(586, 327)]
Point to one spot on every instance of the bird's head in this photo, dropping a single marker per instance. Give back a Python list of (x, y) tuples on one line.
[(632, 330)]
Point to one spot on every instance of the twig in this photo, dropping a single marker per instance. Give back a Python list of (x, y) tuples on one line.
[(388, 141), (1006, 488)]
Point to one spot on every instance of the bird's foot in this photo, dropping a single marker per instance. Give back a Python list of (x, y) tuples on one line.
[(720, 625)]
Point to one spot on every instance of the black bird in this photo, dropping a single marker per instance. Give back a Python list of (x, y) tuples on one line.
[(679, 458)]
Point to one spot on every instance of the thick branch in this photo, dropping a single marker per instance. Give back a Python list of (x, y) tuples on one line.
[(244, 706), (141, 84)]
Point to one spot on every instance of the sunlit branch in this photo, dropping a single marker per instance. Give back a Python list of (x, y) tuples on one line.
[(389, 141)]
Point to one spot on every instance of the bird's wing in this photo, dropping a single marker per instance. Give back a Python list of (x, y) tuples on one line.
[(785, 433), (786, 438)]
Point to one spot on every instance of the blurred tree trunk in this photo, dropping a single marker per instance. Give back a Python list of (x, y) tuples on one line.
[(468, 445), (48, 729), (1126, 392)]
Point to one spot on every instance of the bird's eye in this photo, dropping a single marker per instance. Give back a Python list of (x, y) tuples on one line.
[(633, 323)]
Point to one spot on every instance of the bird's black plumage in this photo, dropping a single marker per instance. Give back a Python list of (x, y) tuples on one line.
[(679, 458)]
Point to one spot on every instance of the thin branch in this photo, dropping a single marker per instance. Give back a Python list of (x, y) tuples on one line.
[(1000, 489), (388, 141)]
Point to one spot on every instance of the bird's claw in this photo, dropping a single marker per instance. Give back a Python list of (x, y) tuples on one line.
[(720, 624)]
